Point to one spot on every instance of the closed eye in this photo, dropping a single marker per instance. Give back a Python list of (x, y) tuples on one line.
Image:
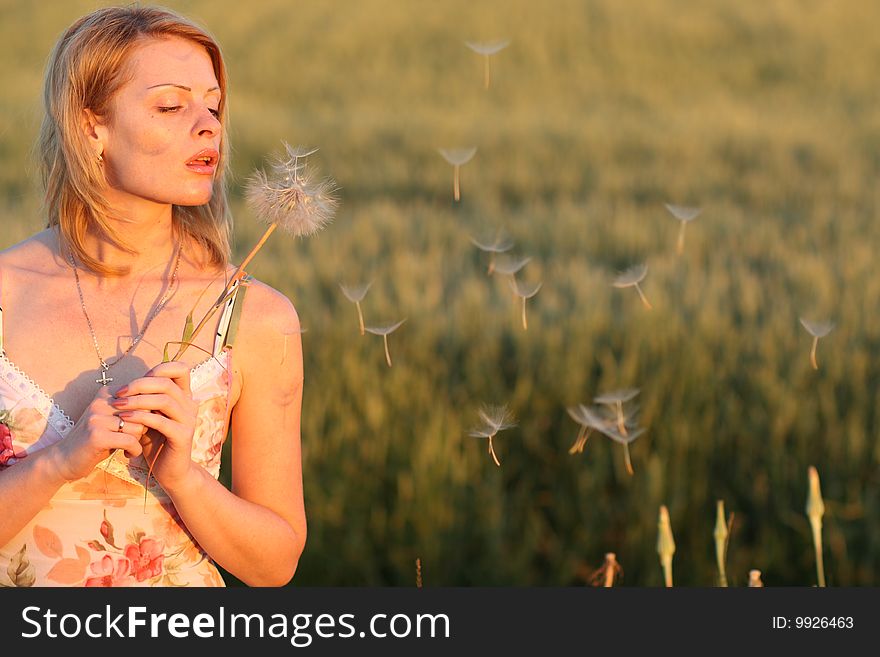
[(166, 110)]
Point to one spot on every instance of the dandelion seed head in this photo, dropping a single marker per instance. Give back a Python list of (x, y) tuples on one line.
[(487, 47), (618, 437), (631, 276), (522, 289), (817, 329), (384, 330), (682, 213), (481, 432), (616, 396), (290, 197), (458, 156), (497, 418), (510, 266), (355, 293), (500, 245)]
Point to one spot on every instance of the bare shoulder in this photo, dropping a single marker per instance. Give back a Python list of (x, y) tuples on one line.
[(32, 253), (267, 309), (268, 332)]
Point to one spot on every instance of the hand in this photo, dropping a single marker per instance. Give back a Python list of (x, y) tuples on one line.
[(161, 400), (94, 436)]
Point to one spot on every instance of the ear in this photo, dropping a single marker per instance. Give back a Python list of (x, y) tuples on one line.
[(95, 131)]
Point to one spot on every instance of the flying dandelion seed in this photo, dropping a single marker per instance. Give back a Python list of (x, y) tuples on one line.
[(356, 294), (625, 439), (817, 330), (631, 278), (589, 420), (617, 396), (457, 157), (385, 331), (494, 419), (665, 545), (685, 215), (487, 49), (510, 266), (500, 245), (620, 430), (524, 291)]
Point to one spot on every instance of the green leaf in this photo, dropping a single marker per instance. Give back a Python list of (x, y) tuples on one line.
[(188, 328)]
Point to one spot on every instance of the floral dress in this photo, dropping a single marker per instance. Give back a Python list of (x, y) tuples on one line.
[(113, 527)]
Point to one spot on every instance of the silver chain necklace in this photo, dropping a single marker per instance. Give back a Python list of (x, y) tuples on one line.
[(105, 366)]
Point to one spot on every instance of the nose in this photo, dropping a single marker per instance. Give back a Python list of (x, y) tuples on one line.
[(208, 124)]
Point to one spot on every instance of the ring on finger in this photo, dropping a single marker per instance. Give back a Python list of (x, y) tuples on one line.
[(121, 424)]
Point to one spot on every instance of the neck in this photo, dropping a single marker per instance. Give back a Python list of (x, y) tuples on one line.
[(156, 252)]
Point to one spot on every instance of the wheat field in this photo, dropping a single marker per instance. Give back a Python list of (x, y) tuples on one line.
[(599, 112)]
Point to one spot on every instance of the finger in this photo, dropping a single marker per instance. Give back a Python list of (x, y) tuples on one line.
[(162, 402), (160, 423), (112, 440), (175, 370), (148, 384), (129, 426)]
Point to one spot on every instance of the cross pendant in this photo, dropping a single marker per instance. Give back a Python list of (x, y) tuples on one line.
[(104, 380)]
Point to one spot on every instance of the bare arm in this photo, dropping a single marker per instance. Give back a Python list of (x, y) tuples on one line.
[(256, 531), (30, 484)]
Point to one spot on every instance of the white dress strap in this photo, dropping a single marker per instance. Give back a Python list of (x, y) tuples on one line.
[(220, 338)]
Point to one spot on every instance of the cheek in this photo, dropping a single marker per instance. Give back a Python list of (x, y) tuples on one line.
[(137, 157)]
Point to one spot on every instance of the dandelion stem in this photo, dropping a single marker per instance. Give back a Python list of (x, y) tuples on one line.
[(525, 323), (150, 472), (813, 353), (491, 264), (239, 274), (387, 353), (418, 573), (492, 452), (580, 441), (680, 248), (455, 186), (257, 247), (486, 71), (644, 298), (360, 317), (627, 460)]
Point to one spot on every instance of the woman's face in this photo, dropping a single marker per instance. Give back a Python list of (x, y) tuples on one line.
[(162, 137)]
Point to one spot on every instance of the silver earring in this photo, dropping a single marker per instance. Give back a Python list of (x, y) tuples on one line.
[(100, 158)]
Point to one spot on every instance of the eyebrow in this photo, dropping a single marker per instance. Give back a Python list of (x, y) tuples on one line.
[(180, 86)]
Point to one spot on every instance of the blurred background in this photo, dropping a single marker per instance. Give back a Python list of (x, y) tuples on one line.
[(598, 113)]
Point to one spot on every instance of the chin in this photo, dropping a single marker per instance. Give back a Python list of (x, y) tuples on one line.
[(191, 200)]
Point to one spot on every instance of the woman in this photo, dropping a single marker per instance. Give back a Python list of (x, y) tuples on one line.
[(133, 151)]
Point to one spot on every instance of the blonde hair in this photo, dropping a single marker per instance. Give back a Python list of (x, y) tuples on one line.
[(85, 70)]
